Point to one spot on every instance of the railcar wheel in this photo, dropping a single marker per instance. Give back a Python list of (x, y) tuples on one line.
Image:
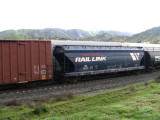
[(31, 84), (136, 72)]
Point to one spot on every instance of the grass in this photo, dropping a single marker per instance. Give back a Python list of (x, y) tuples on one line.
[(135, 102)]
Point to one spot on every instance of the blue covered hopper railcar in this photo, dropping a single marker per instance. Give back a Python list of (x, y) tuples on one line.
[(77, 60)]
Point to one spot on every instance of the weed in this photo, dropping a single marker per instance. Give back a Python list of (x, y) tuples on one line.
[(23, 118), (60, 98), (42, 100), (37, 110), (158, 79), (152, 87), (63, 97), (132, 88), (14, 103), (70, 95), (41, 109), (31, 104), (148, 110), (146, 84)]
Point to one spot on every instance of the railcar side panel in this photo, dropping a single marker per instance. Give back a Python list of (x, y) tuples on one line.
[(90, 60), (24, 61), (104, 59)]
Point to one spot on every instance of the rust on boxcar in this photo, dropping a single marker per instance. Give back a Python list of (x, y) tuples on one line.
[(22, 61)]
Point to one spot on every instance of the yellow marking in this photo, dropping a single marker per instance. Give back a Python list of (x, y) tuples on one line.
[(43, 78)]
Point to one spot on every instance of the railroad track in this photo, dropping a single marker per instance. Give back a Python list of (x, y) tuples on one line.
[(81, 88)]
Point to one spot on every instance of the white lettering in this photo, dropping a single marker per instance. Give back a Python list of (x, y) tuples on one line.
[(77, 59), (88, 59), (93, 59), (36, 69)]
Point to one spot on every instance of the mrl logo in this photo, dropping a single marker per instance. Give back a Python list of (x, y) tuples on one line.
[(135, 56), (89, 59)]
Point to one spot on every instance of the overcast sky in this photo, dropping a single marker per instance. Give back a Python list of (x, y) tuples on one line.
[(122, 15)]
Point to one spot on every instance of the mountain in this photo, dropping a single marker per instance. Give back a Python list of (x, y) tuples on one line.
[(48, 33), (121, 33), (53, 33), (150, 36), (108, 37)]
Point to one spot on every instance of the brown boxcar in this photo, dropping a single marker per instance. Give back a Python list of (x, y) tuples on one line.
[(22, 61)]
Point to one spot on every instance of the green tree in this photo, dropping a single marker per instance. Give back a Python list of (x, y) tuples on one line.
[(14, 36)]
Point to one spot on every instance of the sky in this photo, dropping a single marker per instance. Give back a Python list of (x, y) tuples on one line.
[(121, 15)]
